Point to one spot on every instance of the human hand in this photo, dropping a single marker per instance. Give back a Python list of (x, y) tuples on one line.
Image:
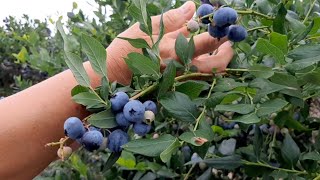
[(174, 22)]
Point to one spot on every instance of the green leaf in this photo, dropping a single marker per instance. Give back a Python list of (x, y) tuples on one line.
[(247, 119), (290, 150), (127, 160), (266, 87), (314, 155), (227, 84), (165, 156), (74, 62), (316, 26), (257, 142), (113, 157), (96, 53), (180, 106), (103, 119), (266, 47), (138, 11), (238, 108), (302, 63), (279, 40), (312, 77), (190, 137), (137, 43), (191, 49), (141, 64), (305, 51), (261, 71), (167, 79), (271, 106), (181, 47), (104, 89), (86, 99), (278, 22), (285, 119), (228, 162), (277, 174), (77, 164), (79, 89), (150, 147), (300, 36), (215, 99), (192, 88), (22, 56), (161, 33)]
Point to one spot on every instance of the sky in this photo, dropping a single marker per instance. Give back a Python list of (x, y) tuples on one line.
[(41, 9)]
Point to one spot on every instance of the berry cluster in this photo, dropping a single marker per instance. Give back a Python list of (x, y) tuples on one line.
[(127, 112), (221, 22)]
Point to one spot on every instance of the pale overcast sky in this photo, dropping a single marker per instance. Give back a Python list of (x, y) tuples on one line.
[(41, 9)]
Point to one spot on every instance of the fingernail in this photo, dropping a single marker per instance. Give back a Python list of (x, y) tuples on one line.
[(185, 8)]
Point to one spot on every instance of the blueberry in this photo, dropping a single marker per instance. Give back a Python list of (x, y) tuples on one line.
[(92, 128), (237, 33), (73, 128), (193, 26), (225, 16), (186, 151), (122, 121), (92, 140), (141, 129), (150, 106), (116, 139), (118, 101), (134, 111), (203, 10), (218, 32)]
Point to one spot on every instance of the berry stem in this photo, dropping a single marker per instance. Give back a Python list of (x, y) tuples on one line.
[(179, 78), (189, 172), (150, 88), (255, 13), (191, 75), (204, 107), (61, 142), (272, 167), (257, 28), (250, 12)]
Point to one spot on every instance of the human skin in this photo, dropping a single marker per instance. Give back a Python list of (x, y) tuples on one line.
[(35, 116)]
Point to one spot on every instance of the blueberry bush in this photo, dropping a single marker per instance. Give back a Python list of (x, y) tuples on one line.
[(257, 119)]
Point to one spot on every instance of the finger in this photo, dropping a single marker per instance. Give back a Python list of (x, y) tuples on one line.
[(175, 18), (205, 63), (184, 31), (204, 43)]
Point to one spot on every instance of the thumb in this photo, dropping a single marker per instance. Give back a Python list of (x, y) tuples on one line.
[(175, 18)]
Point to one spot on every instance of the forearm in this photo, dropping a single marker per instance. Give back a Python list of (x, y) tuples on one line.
[(35, 116)]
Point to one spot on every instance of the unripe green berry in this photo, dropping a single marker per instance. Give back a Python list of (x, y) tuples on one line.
[(148, 117), (193, 26), (64, 152)]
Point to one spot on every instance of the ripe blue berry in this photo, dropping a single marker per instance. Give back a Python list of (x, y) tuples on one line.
[(141, 129), (225, 16), (118, 101), (237, 33), (218, 32), (116, 139), (92, 140), (150, 106), (134, 111), (122, 121), (73, 128), (203, 10)]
